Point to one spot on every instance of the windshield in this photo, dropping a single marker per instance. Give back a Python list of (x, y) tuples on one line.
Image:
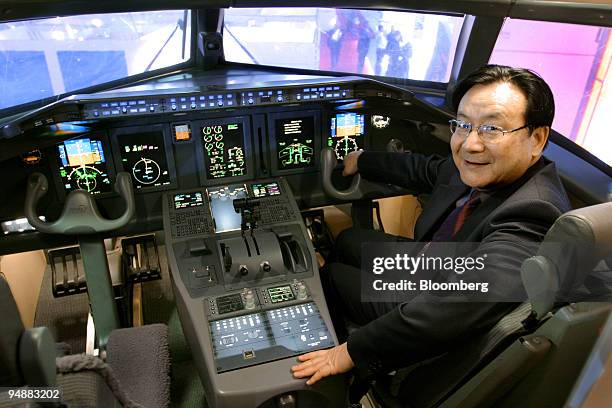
[(53, 56), (372, 42)]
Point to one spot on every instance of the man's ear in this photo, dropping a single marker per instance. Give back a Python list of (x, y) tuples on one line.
[(539, 137)]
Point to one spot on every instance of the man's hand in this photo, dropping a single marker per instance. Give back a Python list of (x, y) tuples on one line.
[(350, 163), (323, 363)]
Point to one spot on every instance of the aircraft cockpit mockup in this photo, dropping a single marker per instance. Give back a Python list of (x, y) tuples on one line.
[(178, 177), (225, 174)]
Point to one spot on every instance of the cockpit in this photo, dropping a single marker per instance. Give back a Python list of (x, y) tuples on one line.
[(172, 180)]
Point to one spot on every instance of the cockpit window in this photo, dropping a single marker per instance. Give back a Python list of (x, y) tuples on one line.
[(54, 56), (577, 64), (384, 43)]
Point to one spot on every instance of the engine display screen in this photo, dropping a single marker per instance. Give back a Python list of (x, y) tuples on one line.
[(83, 166), (188, 200), (224, 150), (143, 155), (346, 133), (265, 189), (295, 143), (222, 206)]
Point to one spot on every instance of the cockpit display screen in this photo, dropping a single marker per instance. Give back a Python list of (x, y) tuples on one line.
[(295, 143), (346, 133), (224, 150), (83, 166), (265, 189), (188, 200), (143, 155), (222, 206)]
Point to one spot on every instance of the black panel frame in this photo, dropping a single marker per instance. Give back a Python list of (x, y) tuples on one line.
[(55, 164), (164, 129), (272, 147), (248, 149)]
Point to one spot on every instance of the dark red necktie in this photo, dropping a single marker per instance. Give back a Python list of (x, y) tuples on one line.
[(455, 220)]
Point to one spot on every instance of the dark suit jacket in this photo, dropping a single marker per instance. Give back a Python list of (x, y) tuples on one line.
[(520, 212)]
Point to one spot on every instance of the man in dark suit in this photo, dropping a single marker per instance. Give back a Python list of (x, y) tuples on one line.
[(496, 190)]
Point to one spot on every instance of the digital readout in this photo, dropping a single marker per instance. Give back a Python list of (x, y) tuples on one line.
[(224, 152), (144, 156), (346, 133), (188, 200), (295, 143), (280, 294), (83, 166), (265, 189)]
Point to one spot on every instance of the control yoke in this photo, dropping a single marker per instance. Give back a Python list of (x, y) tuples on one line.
[(359, 188), (80, 214)]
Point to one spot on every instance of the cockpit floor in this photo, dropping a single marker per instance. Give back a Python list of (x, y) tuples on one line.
[(66, 317)]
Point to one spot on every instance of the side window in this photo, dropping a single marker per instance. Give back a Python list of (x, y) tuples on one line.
[(372, 42), (575, 60)]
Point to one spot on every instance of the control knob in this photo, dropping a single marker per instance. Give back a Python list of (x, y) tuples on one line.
[(249, 299), (266, 267), (302, 292), (243, 270)]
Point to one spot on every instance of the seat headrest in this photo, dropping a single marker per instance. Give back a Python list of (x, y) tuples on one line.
[(576, 242), (589, 225)]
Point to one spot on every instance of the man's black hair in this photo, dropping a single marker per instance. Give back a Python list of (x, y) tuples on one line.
[(540, 109)]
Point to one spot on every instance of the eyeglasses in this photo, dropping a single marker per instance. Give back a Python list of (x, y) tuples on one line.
[(487, 133)]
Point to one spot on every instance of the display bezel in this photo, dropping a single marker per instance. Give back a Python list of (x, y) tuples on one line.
[(272, 118), (106, 147), (196, 129), (118, 133)]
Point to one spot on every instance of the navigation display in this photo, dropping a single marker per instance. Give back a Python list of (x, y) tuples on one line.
[(265, 189), (83, 166), (295, 143), (143, 155), (188, 200), (222, 206), (346, 133), (224, 150)]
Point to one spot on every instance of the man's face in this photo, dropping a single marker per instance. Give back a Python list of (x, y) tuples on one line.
[(500, 162)]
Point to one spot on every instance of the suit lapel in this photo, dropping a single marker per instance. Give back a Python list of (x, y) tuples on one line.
[(494, 201)]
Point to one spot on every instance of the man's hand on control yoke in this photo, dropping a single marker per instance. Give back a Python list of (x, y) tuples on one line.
[(323, 363), (350, 163)]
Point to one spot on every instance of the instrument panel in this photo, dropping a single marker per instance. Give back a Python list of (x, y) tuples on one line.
[(224, 149)]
